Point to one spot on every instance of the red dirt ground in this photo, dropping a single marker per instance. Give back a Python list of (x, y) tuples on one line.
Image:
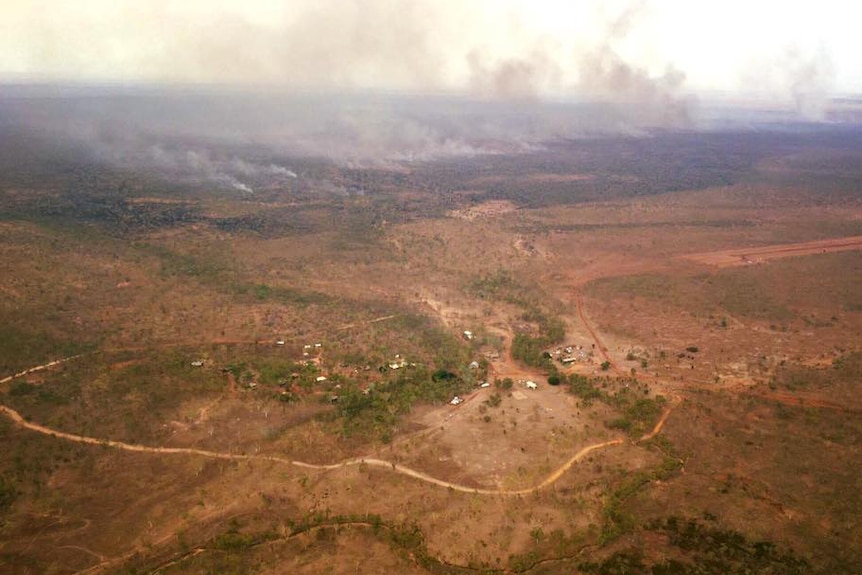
[(746, 256)]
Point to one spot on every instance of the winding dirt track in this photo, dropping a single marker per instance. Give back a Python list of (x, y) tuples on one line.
[(368, 461), (660, 423)]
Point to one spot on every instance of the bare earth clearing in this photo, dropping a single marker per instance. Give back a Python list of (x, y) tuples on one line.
[(756, 255)]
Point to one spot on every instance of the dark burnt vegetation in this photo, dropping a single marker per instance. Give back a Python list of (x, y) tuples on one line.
[(68, 183), (621, 167)]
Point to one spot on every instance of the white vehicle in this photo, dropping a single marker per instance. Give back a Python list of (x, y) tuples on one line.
[(485, 384), (531, 385), (456, 400), (279, 342)]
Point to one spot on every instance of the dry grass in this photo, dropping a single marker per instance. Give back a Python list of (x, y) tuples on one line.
[(226, 286)]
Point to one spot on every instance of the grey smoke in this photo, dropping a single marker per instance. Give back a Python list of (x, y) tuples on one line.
[(280, 170), (522, 78), (657, 100), (325, 44), (195, 163), (419, 46), (644, 99), (234, 183), (804, 78), (605, 74), (238, 165), (307, 63), (202, 134), (811, 80)]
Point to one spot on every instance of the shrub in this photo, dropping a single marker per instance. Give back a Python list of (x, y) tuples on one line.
[(7, 494), (443, 375)]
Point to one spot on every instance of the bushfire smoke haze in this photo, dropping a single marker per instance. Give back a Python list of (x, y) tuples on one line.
[(399, 77), (503, 47)]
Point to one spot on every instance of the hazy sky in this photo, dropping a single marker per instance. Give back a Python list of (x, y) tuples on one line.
[(780, 48)]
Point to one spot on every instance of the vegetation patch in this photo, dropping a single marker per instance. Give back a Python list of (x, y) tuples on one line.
[(375, 411), (736, 291), (702, 550), (21, 349)]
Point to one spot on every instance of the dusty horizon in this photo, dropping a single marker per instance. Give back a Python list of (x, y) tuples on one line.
[(645, 51)]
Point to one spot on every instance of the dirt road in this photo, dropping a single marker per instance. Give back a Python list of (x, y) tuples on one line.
[(367, 461), (38, 368), (368, 322), (746, 256), (599, 344), (660, 423)]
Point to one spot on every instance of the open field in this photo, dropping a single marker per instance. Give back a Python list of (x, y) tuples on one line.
[(198, 379)]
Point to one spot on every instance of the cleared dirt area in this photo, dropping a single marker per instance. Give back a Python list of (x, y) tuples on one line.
[(484, 210), (756, 255), (467, 439)]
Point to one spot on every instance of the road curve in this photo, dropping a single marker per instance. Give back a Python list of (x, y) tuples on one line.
[(369, 461)]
